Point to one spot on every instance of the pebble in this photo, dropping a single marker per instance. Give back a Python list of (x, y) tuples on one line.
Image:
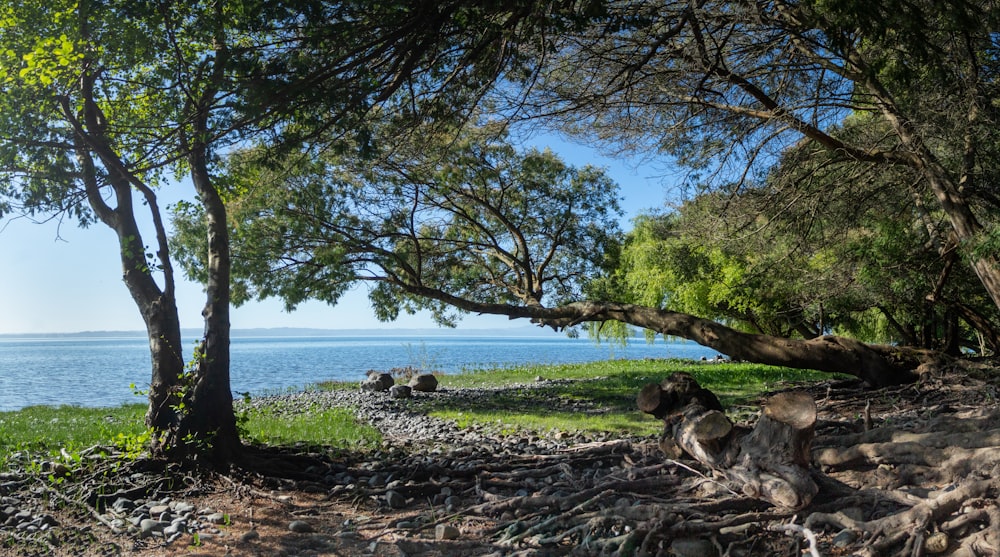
[(216, 518), (384, 413), (400, 391), (300, 527), (149, 527), (693, 548), (845, 538), (395, 499), (446, 532)]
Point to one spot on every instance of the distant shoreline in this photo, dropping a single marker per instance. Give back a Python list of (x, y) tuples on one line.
[(525, 331)]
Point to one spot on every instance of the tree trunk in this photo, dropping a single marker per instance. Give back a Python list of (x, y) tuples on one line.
[(770, 463), (210, 417), (157, 307), (877, 365)]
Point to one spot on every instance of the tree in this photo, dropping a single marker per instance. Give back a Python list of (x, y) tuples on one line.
[(99, 102), (429, 213), (439, 222), (725, 87), (816, 247), (104, 99)]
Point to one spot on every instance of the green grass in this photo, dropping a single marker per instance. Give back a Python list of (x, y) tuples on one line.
[(332, 427), (48, 428)]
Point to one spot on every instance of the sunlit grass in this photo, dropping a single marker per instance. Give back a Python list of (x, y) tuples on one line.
[(634, 423), (333, 427), (50, 428)]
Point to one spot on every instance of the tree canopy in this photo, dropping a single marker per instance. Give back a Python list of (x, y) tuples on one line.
[(432, 221), (725, 88), (790, 148)]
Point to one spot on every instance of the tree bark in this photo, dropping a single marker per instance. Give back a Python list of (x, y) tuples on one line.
[(210, 417), (210, 413)]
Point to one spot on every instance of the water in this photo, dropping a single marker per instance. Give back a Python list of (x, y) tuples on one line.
[(98, 371)]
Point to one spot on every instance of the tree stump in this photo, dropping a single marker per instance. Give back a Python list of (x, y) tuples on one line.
[(770, 462)]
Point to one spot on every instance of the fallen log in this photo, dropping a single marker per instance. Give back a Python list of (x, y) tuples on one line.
[(770, 462)]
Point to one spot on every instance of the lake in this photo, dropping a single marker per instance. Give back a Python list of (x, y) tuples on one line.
[(97, 371)]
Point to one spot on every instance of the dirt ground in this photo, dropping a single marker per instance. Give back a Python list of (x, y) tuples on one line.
[(904, 470)]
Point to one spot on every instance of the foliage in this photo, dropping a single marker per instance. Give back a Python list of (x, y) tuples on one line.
[(699, 85), (822, 244)]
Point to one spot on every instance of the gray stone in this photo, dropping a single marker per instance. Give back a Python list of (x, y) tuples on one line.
[(157, 510), (300, 527), (395, 499), (685, 547), (251, 536), (425, 382), (845, 538), (182, 507), (174, 537), (379, 382), (149, 527), (123, 505), (216, 518), (446, 532), (400, 391)]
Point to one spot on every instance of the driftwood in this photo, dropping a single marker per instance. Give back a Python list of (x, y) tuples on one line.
[(769, 462)]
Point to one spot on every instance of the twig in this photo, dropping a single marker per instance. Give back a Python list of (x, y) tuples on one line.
[(703, 476), (806, 533)]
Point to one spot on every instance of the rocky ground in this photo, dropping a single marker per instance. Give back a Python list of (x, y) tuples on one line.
[(438, 490)]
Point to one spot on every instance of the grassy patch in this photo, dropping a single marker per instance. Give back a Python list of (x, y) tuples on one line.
[(332, 427), (50, 428), (601, 395)]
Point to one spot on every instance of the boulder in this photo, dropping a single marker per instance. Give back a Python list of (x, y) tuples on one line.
[(378, 382), (400, 391), (425, 382)]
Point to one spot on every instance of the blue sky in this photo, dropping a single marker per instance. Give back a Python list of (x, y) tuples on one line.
[(60, 278)]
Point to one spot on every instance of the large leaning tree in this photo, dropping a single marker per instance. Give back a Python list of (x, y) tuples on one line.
[(726, 88), (845, 253), (463, 221), (104, 103)]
